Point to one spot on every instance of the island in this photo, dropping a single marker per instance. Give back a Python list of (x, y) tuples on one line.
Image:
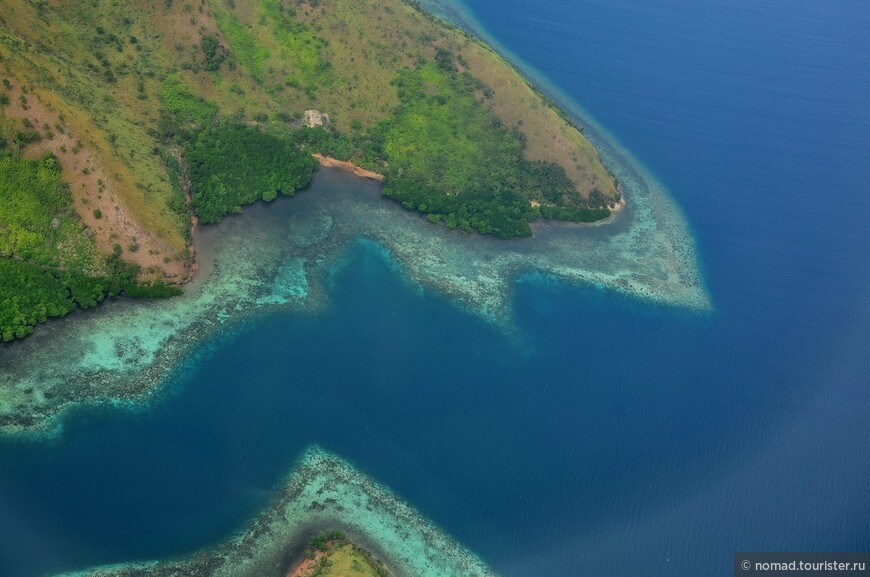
[(124, 126), (325, 515), (330, 554)]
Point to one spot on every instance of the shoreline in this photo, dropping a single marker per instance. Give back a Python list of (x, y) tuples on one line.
[(347, 166), (46, 374), (330, 162), (301, 567), (130, 367), (619, 205)]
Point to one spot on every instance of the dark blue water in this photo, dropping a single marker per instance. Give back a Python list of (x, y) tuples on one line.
[(616, 438)]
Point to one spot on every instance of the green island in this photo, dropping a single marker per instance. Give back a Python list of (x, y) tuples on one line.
[(123, 125), (331, 554)]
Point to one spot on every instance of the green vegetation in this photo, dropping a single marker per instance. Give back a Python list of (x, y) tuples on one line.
[(30, 294), (235, 165), (300, 47), (324, 540), (34, 203), (339, 558), (185, 105), (452, 159), (248, 51), (37, 220), (448, 156), (48, 264), (143, 102), (214, 52)]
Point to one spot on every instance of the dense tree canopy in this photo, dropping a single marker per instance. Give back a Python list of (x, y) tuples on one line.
[(235, 165), (30, 294)]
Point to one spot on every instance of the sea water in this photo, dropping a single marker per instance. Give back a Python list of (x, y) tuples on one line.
[(607, 435)]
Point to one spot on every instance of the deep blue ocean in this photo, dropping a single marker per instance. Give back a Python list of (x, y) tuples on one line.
[(619, 438)]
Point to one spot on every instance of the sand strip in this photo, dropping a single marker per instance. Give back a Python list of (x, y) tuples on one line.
[(349, 166)]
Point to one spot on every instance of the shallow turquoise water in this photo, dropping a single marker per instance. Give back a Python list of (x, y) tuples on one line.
[(605, 435)]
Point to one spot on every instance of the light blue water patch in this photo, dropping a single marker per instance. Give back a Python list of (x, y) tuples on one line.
[(290, 284), (276, 256), (620, 439)]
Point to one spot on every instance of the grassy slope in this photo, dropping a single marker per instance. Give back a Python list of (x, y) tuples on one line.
[(401, 35), (344, 561), (97, 78), (548, 135), (58, 62), (345, 57), (366, 42), (330, 554), (103, 65)]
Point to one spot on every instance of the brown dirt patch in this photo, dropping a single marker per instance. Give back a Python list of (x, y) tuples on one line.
[(94, 189)]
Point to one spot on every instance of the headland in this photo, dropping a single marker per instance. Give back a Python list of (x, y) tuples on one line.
[(178, 118)]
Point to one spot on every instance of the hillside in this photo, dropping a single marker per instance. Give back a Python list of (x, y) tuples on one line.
[(124, 121)]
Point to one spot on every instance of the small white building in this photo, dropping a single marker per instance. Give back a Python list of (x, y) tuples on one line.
[(314, 118)]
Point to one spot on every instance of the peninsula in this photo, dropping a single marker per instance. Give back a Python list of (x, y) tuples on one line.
[(124, 125)]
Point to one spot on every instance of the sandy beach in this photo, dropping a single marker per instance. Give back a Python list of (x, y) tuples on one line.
[(349, 166)]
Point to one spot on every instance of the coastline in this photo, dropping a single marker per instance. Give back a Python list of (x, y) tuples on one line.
[(94, 358), (646, 252), (330, 162), (304, 564), (189, 268), (356, 170)]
